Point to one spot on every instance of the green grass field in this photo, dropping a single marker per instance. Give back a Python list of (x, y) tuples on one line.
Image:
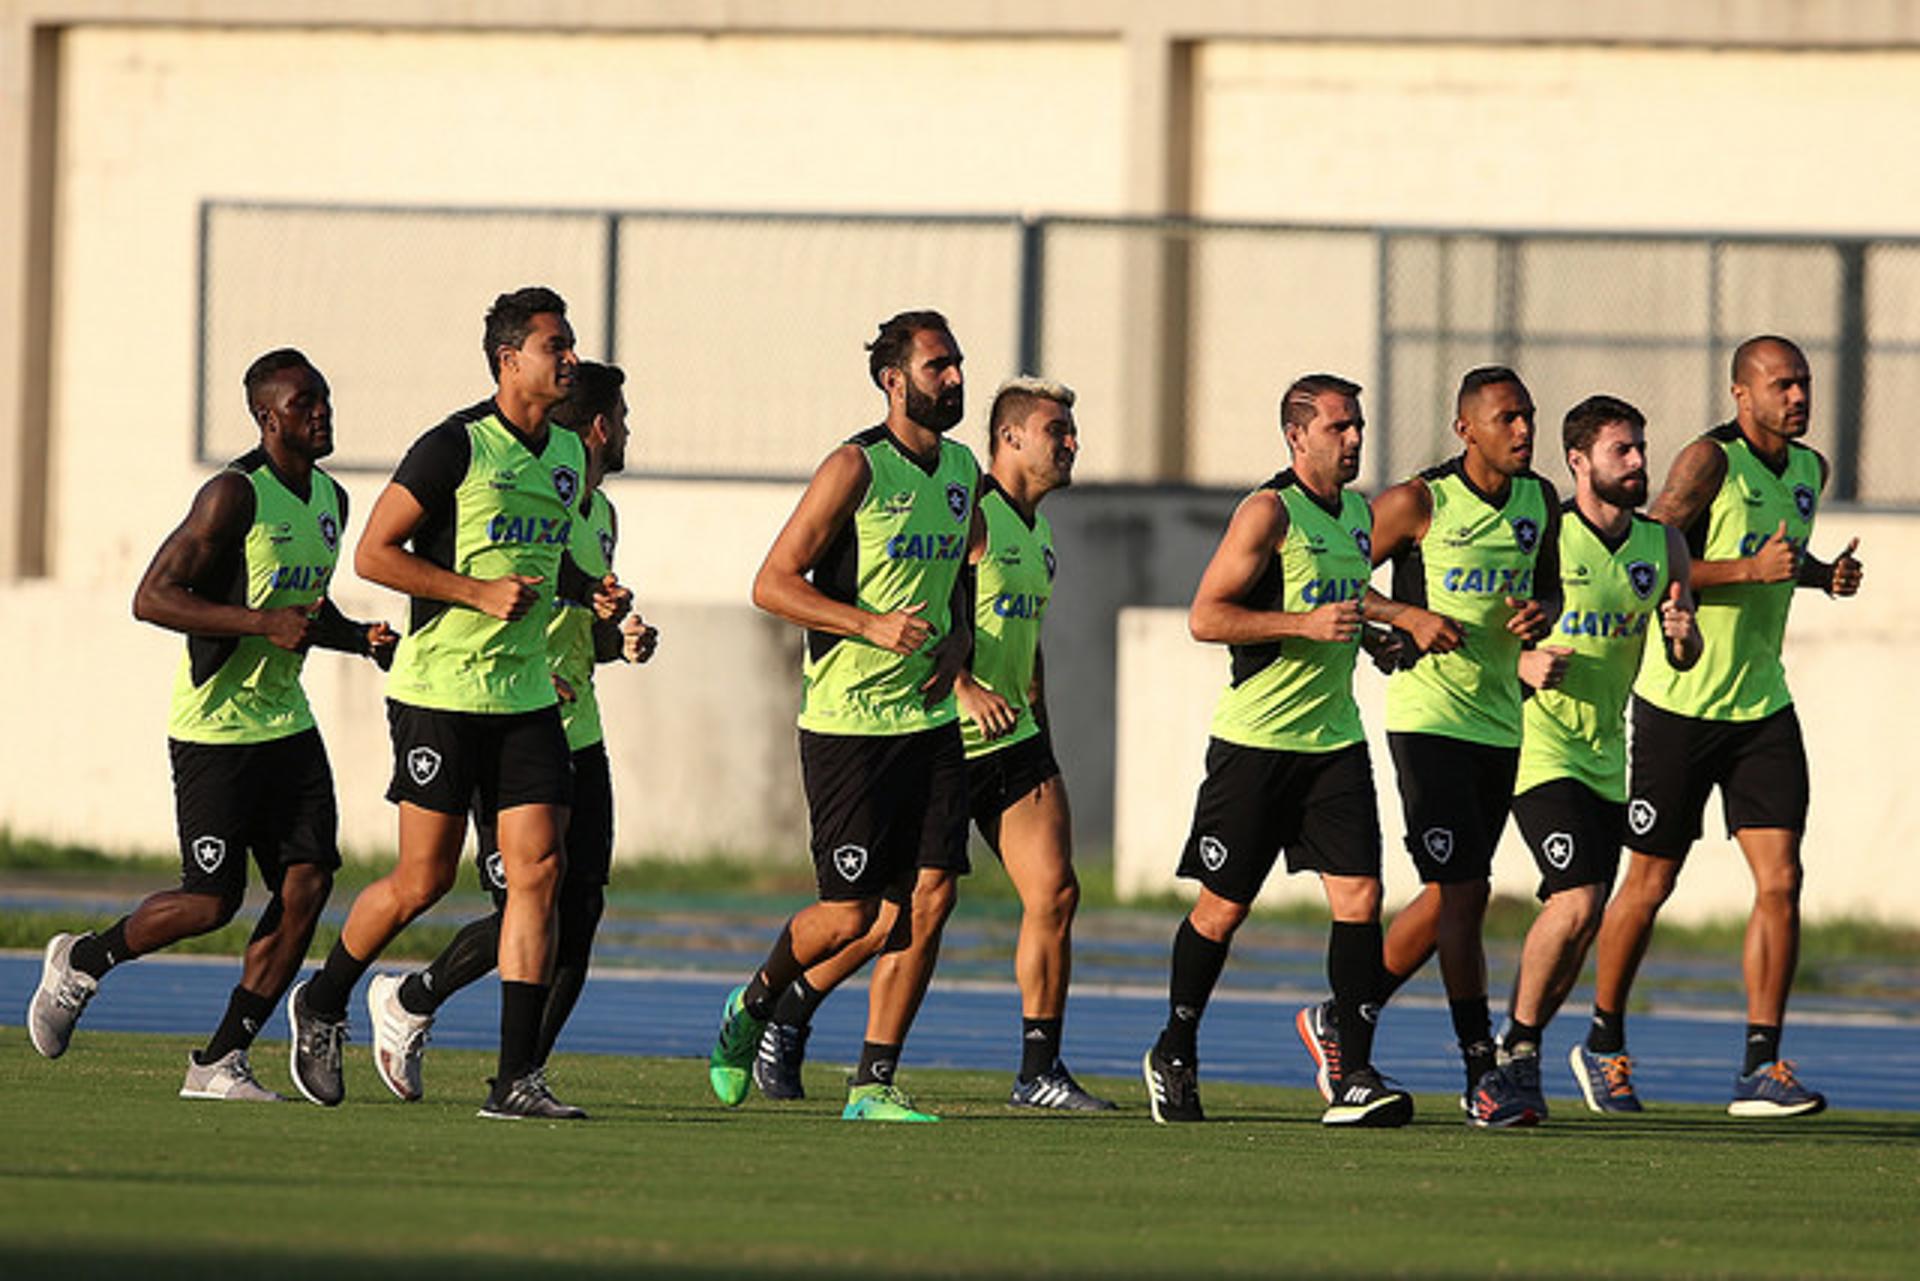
[(103, 1172)]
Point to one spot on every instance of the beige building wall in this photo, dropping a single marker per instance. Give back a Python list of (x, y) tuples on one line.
[(1845, 661)]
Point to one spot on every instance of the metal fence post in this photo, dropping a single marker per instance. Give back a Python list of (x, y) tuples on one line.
[(1850, 375), (610, 324), (1031, 322)]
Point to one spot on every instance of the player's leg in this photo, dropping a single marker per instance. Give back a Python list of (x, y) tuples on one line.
[(1239, 815), (582, 891), (211, 819)]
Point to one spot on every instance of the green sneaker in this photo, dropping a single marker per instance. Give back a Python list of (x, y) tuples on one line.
[(878, 1102), (730, 1066)]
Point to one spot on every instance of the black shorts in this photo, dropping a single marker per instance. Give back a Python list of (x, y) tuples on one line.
[(589, 828), (1254, 802), (275, 799), (1000, 778), (1574, 833), (1760, 767), (883, 806), (442, 760), (1454, 796)]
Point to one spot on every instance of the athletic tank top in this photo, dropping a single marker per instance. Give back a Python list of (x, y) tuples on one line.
[(1014, 586), (493, 508), (1296, 695), (906, 543), (570, 634), (1473, 557), (1612, 596), (246, 689), (1740, 676)]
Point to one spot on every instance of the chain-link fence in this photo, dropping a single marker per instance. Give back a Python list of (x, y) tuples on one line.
[(742, 333)]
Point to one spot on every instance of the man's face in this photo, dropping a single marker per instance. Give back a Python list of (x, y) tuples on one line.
[(1616, 467), (1497, 424), (1046, 442), (541, 367), (1776, 391), (613, 454), (1329, 444), (935, 392), (298, 411)]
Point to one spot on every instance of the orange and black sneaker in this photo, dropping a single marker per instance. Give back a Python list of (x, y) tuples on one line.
[(1605, 1080)]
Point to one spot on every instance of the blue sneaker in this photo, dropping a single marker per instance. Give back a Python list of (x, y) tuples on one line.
[(1605, 1080), (730, 1066), (1773, 1090), (1499, 1102)]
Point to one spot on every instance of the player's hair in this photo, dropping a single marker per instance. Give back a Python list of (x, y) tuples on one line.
[(1018, 397), (595, 390), (1483, 376), (1743, 354), (510, 319), (894, 343), (263, 370), (1583, 422), (1296, 402)]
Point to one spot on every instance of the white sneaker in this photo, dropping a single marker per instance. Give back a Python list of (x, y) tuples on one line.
[(60, 999), (229, 1077), (399, 1037)]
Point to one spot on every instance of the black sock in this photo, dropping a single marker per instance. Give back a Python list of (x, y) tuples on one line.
[(1039, 1046), (1763, 1047), (780, 968), (95, 954), (472, 954), (520, 1008), (562, 995), (1607, 1034), (1356, 974), (1197, 962), (246, 1013), (326, 995), (1391, 982), (877, 1064), (1522, 1037), (1473, 1026), (796, 1003)]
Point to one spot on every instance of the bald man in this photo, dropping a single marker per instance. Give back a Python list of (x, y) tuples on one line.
[(1744, 495)]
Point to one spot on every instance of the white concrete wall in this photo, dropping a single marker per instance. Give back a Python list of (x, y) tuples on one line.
[(1858, 703)]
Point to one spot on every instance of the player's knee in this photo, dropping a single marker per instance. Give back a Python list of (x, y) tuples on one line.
[(415, 889), (211, 911), (1217, 918), (1650, 881), (304, 892), (933, 900), (1778, 885)]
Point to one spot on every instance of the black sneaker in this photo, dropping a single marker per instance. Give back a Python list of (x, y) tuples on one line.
[(527, 1098), (776, 1063), (1055, 1089), (316, 1050), (1314, 1023), (1173, 1088), (1362, 1098)]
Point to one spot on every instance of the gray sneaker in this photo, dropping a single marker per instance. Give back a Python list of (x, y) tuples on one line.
[(528, 1098), (315, 1051), (228, 1077), (59, 1000), (399, 1037)]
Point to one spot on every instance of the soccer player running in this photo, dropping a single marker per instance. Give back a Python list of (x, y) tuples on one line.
[(472, 527), (402, 1009), (1624, 584), (245, 577), (869, 563), (1744, 495), (1017, 797), (1474, 540), (1287, 765)]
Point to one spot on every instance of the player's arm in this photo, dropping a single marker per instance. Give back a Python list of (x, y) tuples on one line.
[(1838, 577), (1698, 472), (1401, 516), (1679, 630), (334, 630), (208, 546), (984, 707), (782, 587), (1218, 615), (382, 557)]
